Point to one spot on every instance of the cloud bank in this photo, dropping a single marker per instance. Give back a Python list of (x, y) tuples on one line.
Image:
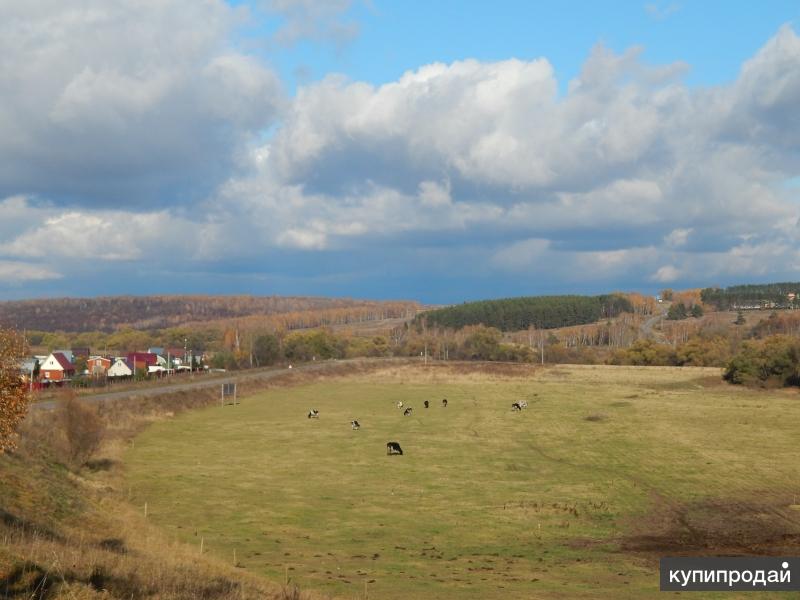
[(457, 180)]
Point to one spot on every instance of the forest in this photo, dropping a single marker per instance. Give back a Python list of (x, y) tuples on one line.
[(769, 295), (109, 314), (540, 312)]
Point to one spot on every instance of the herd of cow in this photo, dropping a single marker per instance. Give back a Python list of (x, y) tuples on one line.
[(394, 447)]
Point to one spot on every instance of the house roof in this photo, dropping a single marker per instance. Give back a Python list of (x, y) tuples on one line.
[(63, 361), (145, 357), (67, 354), (27, 365)]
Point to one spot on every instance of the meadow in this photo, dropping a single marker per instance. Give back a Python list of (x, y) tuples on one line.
[(576, 496)]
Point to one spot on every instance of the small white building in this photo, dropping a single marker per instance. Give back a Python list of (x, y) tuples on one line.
[(120, 368)]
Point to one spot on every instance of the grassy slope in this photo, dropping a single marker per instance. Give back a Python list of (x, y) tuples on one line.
[(485, 503), (74, 536)]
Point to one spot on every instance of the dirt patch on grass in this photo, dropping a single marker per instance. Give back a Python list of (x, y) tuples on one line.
[(766, 526), (596, 418)]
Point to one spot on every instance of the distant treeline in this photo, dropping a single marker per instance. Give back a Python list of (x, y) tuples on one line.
[(110, 314), (768, 295), (541, 312)]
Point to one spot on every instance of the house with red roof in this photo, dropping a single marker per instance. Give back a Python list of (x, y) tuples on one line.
[(56, 367), (142, 360)]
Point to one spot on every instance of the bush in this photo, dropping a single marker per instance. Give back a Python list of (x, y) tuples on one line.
[(700, 351), (315, 344), (645, 353), (773, 361), (266, 349), (13, 392), (482, 343), (83, 429)]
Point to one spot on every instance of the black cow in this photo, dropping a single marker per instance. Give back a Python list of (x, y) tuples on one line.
[(444, 402), (355, 424), (407, 412), (516, 406), (393, 448), (426, 403), (313, 414)]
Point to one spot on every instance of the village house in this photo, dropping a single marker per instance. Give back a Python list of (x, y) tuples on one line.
[(67, 354), (120, 368), (142, 360), (56, 368), (98, 366)]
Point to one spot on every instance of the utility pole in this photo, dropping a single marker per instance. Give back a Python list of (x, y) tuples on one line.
[(541, 344)]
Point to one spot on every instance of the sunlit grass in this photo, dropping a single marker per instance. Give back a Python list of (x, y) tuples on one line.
[(485, 503)]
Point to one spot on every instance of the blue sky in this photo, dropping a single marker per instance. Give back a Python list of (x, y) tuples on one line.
[(437, 151), (713, 37)]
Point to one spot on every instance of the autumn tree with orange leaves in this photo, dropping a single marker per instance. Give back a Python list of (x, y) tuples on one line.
[(13, 391)]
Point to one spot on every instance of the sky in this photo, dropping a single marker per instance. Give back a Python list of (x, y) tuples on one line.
[(438, 151)]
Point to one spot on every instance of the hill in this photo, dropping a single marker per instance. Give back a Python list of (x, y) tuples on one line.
[(157, 312), (542, 312)]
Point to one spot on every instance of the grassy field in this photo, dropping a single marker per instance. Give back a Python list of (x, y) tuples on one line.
[(577, 496)]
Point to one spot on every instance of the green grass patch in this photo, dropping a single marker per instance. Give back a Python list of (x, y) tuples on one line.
[(485, 503)]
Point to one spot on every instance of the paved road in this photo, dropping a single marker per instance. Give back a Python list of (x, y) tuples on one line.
[(205, 382)]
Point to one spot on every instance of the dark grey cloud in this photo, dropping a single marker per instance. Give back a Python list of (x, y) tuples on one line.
[(125, 102)]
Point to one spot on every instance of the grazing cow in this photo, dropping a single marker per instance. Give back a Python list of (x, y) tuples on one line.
[(426, 403), (516, 406), (313, 414), (522, 404), (408, 411), (393, 448), (399, 404), (444, 402), (355, 425)]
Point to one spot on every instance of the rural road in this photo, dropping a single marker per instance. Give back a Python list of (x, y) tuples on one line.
[(646, 328), (205, 382)]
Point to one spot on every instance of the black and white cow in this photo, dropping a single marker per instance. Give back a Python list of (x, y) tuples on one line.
[(426, 403), (516, 406), (355, 425), (407, 412), (444, 402), (313, 414), (393, 448)]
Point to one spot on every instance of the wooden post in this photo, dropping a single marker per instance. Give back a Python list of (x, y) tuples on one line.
[(234, 557), (145, 510), (202, 539)]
